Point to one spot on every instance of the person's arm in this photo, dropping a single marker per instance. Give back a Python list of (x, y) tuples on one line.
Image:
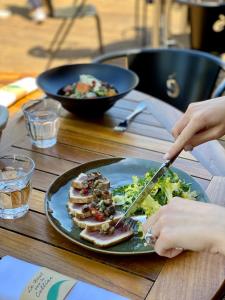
[(202, 122), (189, 225)]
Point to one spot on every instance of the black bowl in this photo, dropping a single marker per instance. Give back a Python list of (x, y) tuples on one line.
[(53, 80)]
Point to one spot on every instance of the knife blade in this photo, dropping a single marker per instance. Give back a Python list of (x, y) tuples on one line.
[(147, 188)]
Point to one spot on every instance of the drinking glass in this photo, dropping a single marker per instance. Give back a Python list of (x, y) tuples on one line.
[(15, 185), (42, 121)]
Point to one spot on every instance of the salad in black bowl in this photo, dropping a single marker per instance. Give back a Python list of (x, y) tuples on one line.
[(87, 89)]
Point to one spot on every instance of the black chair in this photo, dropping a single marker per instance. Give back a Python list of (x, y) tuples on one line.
[(207, 20), (175, 76)]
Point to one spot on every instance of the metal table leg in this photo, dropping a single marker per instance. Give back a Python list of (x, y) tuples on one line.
[(156, 24)]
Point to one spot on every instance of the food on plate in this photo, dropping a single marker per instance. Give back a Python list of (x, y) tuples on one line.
[(90, 202), (92, 224), (91, 206), (86, 188), (106, 240), (78, 210), (96, 210), (79, 196), (81, 181), (85, 181), (168, 186), (89, 87)]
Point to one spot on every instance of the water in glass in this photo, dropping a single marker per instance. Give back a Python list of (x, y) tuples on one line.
[(43, 128), (15, 186), (42, 121)]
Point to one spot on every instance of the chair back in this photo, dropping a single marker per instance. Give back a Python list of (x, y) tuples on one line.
[(176, 76)]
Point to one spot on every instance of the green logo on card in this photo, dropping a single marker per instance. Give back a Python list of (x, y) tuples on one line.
[(54, 290), (48, 285)]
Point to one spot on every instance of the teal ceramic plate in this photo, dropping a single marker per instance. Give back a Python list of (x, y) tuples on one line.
[(120, 172)]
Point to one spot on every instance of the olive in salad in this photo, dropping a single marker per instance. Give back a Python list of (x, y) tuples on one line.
[(89, 87)]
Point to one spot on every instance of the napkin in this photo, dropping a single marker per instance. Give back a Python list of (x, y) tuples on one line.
[(15, 274), (16, 90)]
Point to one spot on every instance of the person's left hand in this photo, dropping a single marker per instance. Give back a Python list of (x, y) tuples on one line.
[(189, 225)]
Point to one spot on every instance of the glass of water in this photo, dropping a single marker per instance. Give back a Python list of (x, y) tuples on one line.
[(15, 185), (42, 121)]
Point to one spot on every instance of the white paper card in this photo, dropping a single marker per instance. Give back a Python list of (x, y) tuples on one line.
[(16, 90), (16, 274)]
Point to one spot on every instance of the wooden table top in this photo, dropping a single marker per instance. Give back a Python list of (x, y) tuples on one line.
[(188, 276)]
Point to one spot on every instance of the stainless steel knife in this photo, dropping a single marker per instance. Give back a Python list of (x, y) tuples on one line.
[(147, 188)]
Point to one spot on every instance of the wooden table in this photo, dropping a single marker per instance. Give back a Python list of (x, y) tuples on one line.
[(188, 276)]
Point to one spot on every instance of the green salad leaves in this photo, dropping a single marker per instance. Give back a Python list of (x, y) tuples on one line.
[(168, 186)]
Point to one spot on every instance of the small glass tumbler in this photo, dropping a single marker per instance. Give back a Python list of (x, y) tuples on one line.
[(42, 121), (15, 185)]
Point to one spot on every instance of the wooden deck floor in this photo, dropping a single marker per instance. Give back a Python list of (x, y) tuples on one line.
[(24, 44)]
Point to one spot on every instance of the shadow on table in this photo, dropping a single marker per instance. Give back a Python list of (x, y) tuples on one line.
[(73, 53), (20, 10), (69, 53)]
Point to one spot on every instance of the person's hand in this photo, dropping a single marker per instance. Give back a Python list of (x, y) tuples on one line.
[(202, 122), (188, 225)]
